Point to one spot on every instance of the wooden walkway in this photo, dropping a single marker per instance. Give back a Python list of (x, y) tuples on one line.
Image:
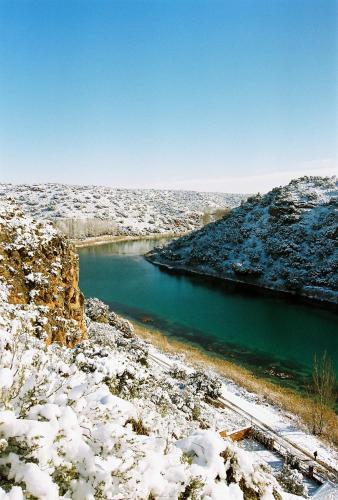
[(322, 472), (328, 491), (284, 446)]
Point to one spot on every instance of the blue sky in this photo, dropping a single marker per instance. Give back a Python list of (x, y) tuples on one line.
[(212, 95)]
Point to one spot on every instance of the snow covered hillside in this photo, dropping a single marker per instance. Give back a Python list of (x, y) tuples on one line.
[(102, 420), (284, 240), (82, 211)]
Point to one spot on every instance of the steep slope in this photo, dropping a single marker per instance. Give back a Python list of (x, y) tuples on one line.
[(40, 270), (93, 211), (285, 240)]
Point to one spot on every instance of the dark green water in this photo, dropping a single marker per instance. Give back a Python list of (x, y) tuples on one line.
[(258, 332)]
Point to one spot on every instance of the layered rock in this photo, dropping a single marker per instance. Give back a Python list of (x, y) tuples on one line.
[(40, 270), (285, 240)]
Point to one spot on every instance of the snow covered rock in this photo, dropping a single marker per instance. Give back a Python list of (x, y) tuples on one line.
[(98, 311), (40, 271), (285, 240)]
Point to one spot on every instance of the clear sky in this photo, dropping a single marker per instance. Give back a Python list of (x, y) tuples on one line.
[(209, 95)]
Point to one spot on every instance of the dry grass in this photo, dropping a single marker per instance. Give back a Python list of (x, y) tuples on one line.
[(286, 399), (138, 426), (92, 241)]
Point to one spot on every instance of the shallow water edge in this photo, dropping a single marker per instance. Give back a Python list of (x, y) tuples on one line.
[(285, 398), (245, 285), (92, 241)]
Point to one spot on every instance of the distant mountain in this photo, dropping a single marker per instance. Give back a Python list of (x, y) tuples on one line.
[(285, 240)]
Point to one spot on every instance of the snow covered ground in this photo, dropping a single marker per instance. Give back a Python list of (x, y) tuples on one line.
[(103, 420), (284, 240), (81, 211), (284, 425), (255, 406)]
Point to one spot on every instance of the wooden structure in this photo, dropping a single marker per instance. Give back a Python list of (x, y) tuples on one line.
[(237, 435)]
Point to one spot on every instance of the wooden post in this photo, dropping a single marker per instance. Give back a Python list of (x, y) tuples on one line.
[(311, 470)]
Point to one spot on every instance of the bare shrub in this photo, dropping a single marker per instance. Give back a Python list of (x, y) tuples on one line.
[(138, 426), (323, 391)]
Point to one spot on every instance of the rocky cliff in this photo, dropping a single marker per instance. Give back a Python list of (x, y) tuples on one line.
[(40, 271), (285, 240)]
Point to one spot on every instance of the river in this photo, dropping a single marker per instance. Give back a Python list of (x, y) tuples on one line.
[(273, 337)]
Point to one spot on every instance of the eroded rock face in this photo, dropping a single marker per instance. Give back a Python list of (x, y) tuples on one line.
[(40, 268)]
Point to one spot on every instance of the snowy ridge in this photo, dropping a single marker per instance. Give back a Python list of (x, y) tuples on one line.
[(285, 240), (81, 211), (28, 232)]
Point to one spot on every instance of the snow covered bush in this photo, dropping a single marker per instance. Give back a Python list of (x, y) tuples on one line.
[(207, 385), (292, 481), (178, 372), (64, 432), (122, 324), (97, 310)]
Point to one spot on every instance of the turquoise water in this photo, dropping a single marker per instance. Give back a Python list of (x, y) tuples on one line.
[(262, 333)]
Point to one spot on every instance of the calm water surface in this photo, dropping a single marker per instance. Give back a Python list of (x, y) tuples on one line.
[(259, 332)]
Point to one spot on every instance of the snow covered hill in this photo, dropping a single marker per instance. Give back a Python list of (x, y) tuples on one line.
[(285, 240), (102, 419), (91, 211)]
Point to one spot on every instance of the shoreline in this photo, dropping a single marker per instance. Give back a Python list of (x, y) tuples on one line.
[(286, 399), (92, 241), (244, 285)]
